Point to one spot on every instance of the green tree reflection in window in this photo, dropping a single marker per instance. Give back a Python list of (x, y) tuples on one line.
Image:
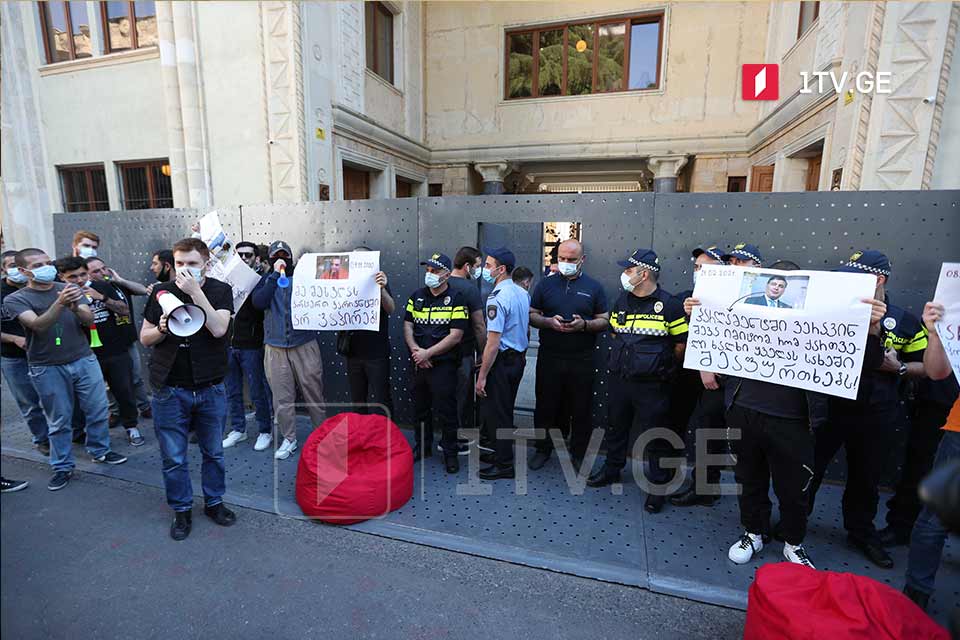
[(550, 79), (580, 60), (520, 73)]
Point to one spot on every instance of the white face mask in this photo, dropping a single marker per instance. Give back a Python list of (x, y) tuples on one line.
[(568, 268), (194, 272), (432, 280), (696, 274), (86, 252), (626, 284)]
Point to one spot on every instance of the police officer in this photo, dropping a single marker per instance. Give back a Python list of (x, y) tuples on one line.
[(433, 326), (696, 396), (569, 309), (501, 368), (744, 254), (649, 333), (865, 426)]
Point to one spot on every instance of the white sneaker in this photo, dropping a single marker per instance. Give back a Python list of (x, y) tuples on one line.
[(288, 447), (745, 548), (797, 555), (233, 438), (264, 440)]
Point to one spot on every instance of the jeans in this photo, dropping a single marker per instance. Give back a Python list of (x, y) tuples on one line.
[(17, 374), (62, 386), (929, 534), (175, 411), (248, 363), (143, 402)]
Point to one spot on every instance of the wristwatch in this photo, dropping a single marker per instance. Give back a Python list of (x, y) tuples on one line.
[(903, 369)]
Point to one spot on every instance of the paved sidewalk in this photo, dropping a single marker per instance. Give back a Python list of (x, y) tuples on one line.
[(95, 560)]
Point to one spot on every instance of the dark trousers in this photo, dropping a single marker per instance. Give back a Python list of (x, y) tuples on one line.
[(709, 414), (774, 448), (435, 396), (466, 392), (564, 400), (646, 404), (369, 384), (502, 384), (922, 441), (865, 432), (118, 372)]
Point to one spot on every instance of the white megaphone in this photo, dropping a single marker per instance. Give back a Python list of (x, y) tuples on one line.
[(183, 320)]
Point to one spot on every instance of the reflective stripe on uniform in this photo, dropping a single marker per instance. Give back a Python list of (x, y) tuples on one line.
[(678, 327)]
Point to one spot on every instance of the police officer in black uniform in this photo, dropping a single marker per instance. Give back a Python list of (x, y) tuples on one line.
[(649, 333), (433, 326), (698, 398), (865, 426)]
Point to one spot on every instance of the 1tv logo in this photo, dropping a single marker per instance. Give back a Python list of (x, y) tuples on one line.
[(761, 82)]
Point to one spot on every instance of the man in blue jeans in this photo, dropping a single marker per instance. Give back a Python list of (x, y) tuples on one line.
[(187, 376), (62, 367), (13, 358), (929, 533), (245, 361)]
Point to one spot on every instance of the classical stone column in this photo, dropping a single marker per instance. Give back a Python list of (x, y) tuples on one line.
[(665, 171), (493, 174), (171, 99)]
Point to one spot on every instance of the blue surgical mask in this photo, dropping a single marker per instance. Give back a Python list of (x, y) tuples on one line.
[(625, 283), (432, 280), (487, 275), (46, 273), (86, 252), (14, 276), (195, 272), (477, 273), (567, 268)]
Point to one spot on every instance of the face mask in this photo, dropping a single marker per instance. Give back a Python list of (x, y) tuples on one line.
[(46, 273), (568, 268), (626, 284), (477, 273), (86, 252), (696, 274), (432, 280), (14, 276), (194, 272), (487, 275)]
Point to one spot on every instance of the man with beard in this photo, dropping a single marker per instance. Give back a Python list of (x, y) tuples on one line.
[(291, 357)]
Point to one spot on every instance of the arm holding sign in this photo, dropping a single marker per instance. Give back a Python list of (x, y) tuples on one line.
[(386, 300), (935, 361)]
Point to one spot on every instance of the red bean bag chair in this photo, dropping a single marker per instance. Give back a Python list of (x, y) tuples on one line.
[(354, 467), (792, 601)]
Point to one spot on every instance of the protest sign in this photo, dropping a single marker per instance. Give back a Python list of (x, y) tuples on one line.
[(213, 235), (804, 329), (948, 328), (235, 272), (336, 291)]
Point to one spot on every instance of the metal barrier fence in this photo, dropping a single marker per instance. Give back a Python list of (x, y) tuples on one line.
[(917, 229)]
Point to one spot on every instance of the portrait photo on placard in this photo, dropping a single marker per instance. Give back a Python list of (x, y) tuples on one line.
[(333, 267), (771, 289)]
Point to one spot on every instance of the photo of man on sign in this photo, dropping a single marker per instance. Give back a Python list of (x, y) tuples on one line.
[(333, 267), (774, 290)]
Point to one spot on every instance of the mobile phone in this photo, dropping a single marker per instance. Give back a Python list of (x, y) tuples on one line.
[(565, 321)]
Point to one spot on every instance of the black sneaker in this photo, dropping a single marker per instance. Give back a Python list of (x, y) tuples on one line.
[(44, 448), (9, 486), (181, 526), (221, 515), (110, 458), (59, 480)]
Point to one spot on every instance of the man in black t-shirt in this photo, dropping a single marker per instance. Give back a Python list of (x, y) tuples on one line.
[(115, 333), (463, 278), (187, 376), (433, 325)]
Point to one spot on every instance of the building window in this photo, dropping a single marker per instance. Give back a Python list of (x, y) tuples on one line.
[(584, 58), (356, 184), (435, 189), (809, 12), (379, 39), (736, 184), (128, 25), (146, 185), (66, 30), (84, 188)]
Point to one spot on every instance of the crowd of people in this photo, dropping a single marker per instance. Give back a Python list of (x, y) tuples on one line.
[(69, 332)]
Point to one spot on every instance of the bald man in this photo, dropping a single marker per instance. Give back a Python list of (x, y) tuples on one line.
[(569, 309)]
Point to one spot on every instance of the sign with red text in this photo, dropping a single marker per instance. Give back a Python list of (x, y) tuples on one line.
[(336, 292), (948, 294), (802, 329)]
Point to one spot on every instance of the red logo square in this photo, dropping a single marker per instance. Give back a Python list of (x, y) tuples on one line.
[(761, 82)]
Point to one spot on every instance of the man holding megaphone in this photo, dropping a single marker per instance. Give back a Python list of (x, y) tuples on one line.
[(186, 322)]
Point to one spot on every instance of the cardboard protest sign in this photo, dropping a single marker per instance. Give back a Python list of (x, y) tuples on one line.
[(336, 291), (235, 272), (804, 329), (948, 294)]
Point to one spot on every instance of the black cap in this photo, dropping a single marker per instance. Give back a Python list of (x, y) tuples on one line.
[(277, 247), (869, 261), (745, 251), (643, 258), (715, 251)]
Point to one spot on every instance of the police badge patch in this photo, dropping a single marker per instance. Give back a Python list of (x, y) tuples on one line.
[(658, 307), (889, 324), (446, 301), (492, 311)]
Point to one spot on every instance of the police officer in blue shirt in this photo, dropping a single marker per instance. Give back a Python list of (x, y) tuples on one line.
[(501, 369), (569, 309)]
